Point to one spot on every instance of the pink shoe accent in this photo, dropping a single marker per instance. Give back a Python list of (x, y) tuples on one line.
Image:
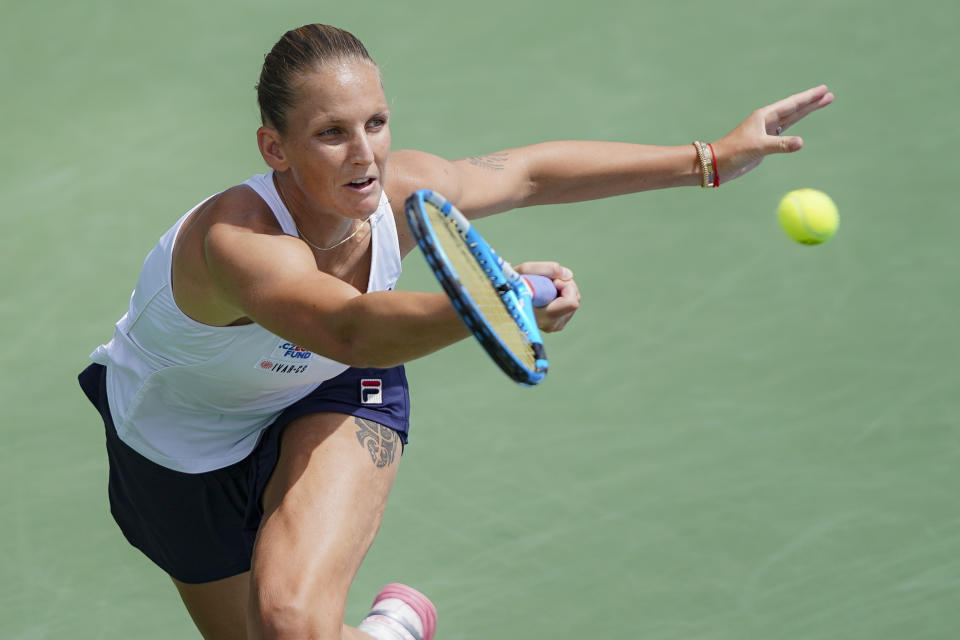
[(417, 601)]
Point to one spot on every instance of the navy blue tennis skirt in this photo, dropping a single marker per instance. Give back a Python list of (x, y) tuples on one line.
[(200, 527)]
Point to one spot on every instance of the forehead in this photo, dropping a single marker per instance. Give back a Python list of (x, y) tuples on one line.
[(339, 90)]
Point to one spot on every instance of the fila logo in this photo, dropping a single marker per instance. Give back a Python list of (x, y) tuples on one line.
[(371, 391)]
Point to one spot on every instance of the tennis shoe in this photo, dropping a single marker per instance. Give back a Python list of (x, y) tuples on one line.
[(401, 612)]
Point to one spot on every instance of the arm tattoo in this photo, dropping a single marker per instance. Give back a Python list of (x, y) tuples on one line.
[(380, 441), (492, 161)]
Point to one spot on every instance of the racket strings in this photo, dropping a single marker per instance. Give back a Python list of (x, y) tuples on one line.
[(476, 282)]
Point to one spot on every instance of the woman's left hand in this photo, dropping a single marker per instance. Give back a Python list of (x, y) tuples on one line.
[(760, 134), (557, 314)]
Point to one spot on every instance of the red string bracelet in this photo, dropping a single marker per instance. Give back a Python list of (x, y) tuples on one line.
[(716, 171)]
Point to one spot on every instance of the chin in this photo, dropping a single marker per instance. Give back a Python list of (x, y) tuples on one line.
[(368, 205)]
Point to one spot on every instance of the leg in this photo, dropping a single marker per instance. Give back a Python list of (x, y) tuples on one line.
[(180, 519), (218, 608), (322, 508)]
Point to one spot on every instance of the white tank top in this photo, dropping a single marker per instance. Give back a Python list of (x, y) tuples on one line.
[(193, 397)]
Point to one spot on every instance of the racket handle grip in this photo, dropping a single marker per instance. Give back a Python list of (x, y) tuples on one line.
[(542, 287)]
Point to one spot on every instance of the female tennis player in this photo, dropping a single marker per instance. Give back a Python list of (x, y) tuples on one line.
[(253, 395)]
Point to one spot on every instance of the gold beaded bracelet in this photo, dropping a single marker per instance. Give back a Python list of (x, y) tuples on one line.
[(705, 154)]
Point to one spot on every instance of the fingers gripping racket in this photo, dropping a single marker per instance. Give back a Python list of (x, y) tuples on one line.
[(494, 301)]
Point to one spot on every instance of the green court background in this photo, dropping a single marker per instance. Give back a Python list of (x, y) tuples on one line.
[(740, 437)]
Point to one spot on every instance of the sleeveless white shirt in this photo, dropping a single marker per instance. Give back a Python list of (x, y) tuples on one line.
[(193, 397)]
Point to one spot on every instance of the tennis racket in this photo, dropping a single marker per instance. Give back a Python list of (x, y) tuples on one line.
[(494, 301)]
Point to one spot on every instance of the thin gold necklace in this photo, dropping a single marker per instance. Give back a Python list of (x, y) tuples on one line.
[(333, 246), (301, 234)]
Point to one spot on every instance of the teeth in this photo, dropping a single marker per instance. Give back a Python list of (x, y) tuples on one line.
[(360, 181)]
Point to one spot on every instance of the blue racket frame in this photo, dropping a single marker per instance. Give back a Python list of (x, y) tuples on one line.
[(513, 291)]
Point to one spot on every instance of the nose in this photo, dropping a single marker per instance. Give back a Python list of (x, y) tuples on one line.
[(361, 149)]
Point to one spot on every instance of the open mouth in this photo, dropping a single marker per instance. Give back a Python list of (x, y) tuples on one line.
[(360, 183)]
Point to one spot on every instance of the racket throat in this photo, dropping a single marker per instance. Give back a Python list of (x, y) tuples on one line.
[(538, 351)]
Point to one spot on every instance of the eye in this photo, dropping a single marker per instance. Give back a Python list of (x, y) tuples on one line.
[(377, 122), (329, 132)]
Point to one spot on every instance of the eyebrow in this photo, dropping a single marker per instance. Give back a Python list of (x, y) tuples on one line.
[(325, 120)]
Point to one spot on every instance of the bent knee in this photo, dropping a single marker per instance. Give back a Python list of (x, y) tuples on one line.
[(282, 613)]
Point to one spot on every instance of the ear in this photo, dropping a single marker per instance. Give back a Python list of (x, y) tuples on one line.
[(271, 148)]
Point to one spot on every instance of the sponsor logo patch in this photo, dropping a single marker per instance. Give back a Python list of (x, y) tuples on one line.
[(286, 357), (279, 367), (371, 391), (290, 351)]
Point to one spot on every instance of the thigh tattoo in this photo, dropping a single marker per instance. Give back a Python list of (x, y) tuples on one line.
[(380, 441)]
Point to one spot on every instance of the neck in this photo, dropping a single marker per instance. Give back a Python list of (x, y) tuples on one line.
[(321, 237)]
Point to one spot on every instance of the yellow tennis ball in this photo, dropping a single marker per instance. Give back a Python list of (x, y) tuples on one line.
[(808, 216)]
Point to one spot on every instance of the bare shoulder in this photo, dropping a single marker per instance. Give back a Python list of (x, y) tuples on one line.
[(241, 227), (242, 208), (239, 217), (411, 170), (230, 237), (408, 171)]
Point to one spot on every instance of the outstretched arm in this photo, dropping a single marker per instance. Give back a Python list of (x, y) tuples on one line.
[(572, 171)]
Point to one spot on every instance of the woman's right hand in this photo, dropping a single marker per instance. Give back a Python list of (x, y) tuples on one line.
[(556, 315)]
